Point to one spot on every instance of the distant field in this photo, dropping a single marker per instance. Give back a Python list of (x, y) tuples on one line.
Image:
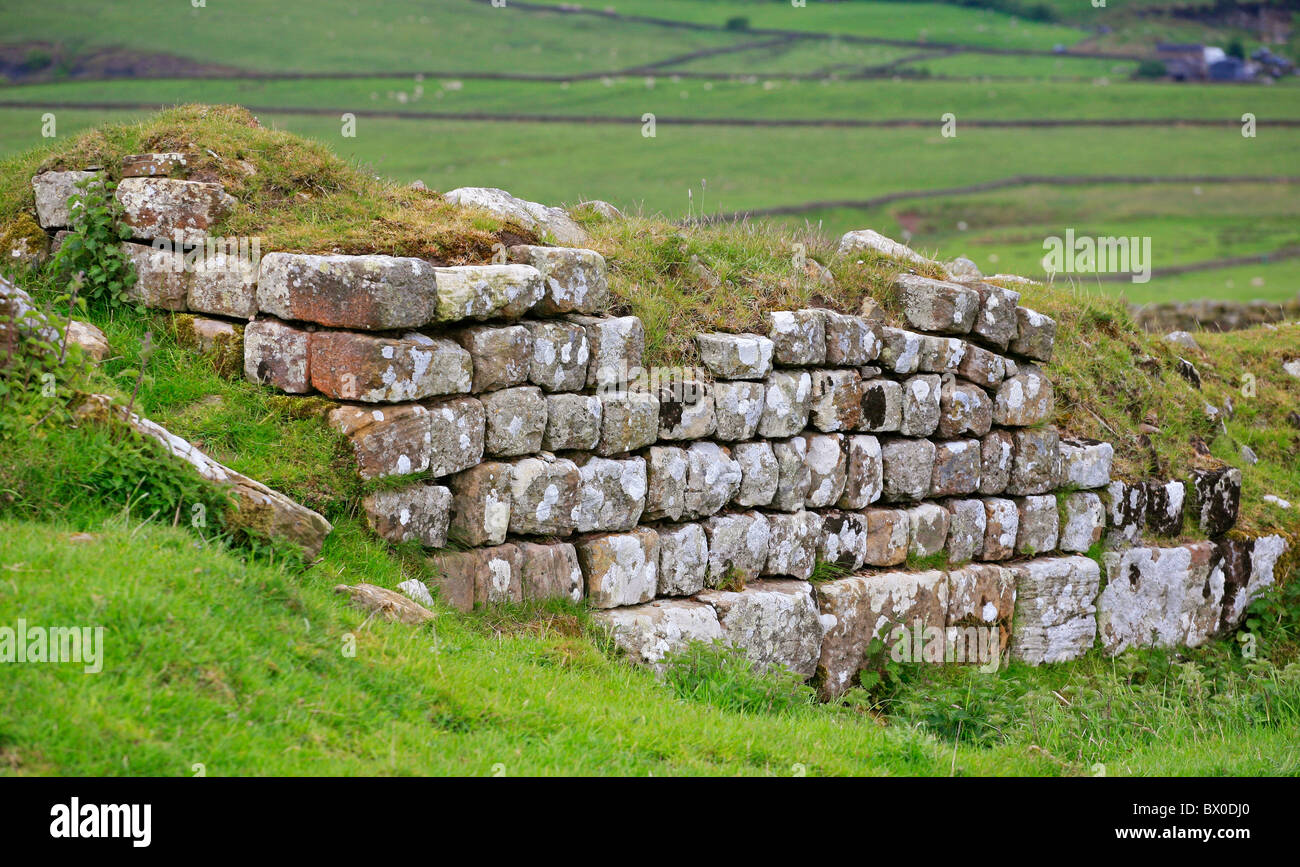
[(736, 168), (762, 98)]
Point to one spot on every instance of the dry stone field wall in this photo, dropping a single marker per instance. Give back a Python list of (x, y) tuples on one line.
[(802, 492)]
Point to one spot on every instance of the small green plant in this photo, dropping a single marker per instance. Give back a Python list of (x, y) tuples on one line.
[(825, 571), (93, 249), (721, 675)]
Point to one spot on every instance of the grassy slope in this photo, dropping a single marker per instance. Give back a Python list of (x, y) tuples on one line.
[(237, 664)]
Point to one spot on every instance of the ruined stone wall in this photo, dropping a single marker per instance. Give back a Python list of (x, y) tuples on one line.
[(911, 468), (1213, 315)]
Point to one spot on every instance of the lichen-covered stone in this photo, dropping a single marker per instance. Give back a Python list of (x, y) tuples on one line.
[(933, 305), (759, 473), (479, 576), (860, 609), (776, 623), (792, 544), (872, 243), (620, 568), (1035, 334), (1146, 590), (836, 402), (1039, 525), (737, 547), (501, 357), (851, 341), (1035, 461), (348, 365), (390, 440), (843, 540), (616, 345), (956, 468), (1001, 528), (736, 356), (362, 292), (550, 571), (738, 407), (516, 421), (864, 472), (908, 468), (278, 354), (827, 460), (920, 406), (794, 479), (1164, 511), (171, 208), (1216, 498), (888, 536), (1249, 568), (534, 216), (611, 494), (798, 337), (1055, 619), (1085, 463), (683, 559), (629, 421), (544, 493), (388, 604), (456, 434), (417, 513), (941, 354), (927, 529), (167, 164), (486, 291), (572, 422), (52, 191), (686, 410), (161, 279), (575, 279), (560, 355), (980, 595), (882, 406), (900, 351), (996, 449), (963, 408), (996, 320), (1083, 519), (1026, 398), (713, 478), (981, 366), (649, 633), (480, 504), (966, 526), (666, 472), (785, 404), (1126, 509)]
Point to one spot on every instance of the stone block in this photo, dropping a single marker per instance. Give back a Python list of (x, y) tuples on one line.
[(794, 478), (827, 459), (882, 406), (52, 191), (418, 513), (1039, 525), (572, 422), (1001, 528), (1035, 461), (737, 547), (908, 466), (920, 406), (611, 494), (738, 406), (1035, 334), (785, 404), (1216, 499), (1085, 463), (996, 320), (966, 528), (485, 291), (736, 356), (666, 473), (544, 494), (649, 633), (620, 568), (941, 354), (776, 623), (686, 410), (629, 421), (888, 536), (956, 468), (480, 504), (683, 559), (759, 473), (864, 472), (492, 575), (851, 341), (169, 208), (792, 544), (347, 365), (278, 354), (836, 402), (1126, 509), (934, 305), (843, 540), (363, 292), (575, 280), (927, 529), (1023, 399), (900, 350), (982, 367), (996, 449), (713, 478), (798, 337), (1055, 619), (393, 440), (963, 408), (500, 357), (616, 345), (1164, 511), (550, 571), (560, 355), (1083, 518), (516, 421)]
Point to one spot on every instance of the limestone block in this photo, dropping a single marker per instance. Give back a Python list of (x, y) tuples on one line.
[(1039, 525), (544, 493), (550, 571), (620, 568), (560, 355), (486, 291), (572, 422), (966, 529), (278, 354), (1035, 334), (1035, 461), (843, 540), (1001, 528), (933, 305), (882, 406), (956, 468), (649, 633), (963, 408), (900, 350), (996, 450), (1083, 519), (611, 494), (1025, 398), (798, 337), (516, 421), (575, 280), (836, 400), (348, 365), (851, 341), (616, 345), (920, 406), (864, 472), (908, 468), (480, 504), (738, 406), (418, 513), (927, 529), (500, 357), (827, 459), (737, 547), (785, 403), (794, 477), (686, 410), (736, 356), (888, 536), (713, 478), (996, 320), (683, 559), (776, 623), (364, 292), (1055, 619), (792, 544), (759, 473), (666, 471), (629, 421)]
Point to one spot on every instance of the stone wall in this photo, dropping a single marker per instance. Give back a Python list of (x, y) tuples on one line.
[(1213, 315), (798, 494)]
